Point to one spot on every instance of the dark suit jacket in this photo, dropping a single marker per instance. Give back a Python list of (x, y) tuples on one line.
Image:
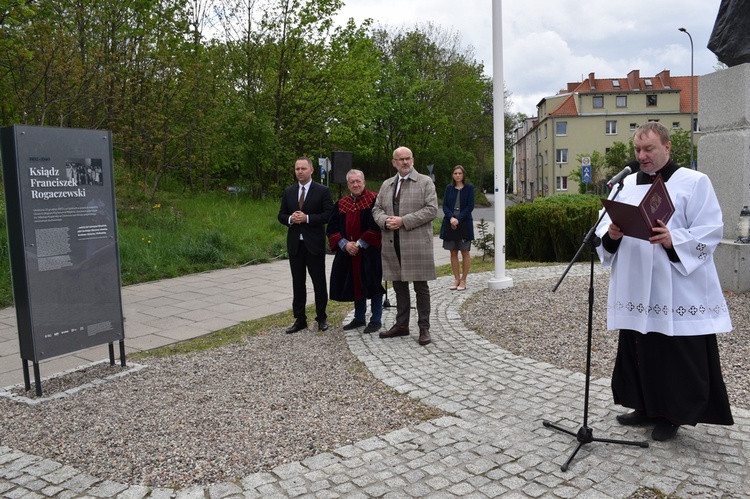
[(318, 206)]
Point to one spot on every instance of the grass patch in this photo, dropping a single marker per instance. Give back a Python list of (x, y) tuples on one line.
[(204, 232)]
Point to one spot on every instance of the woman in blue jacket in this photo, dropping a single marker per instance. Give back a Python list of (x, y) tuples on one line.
[(457, 230)]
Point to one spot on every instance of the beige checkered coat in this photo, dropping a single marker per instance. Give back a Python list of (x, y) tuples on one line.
[(418, 208)]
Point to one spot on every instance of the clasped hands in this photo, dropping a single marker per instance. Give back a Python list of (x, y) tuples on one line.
[(352, 248), (394, 223), (298, 217), (661, 234), (454, 222)]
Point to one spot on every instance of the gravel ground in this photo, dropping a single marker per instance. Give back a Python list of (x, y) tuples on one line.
[(209, 417), (528, 319)]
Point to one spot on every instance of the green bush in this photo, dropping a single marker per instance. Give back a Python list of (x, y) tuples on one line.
[(550, 229)]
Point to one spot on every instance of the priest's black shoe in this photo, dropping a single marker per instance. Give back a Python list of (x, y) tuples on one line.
[(354, 325), (323, 326), (634, 418), (664, 430), (297, 326)]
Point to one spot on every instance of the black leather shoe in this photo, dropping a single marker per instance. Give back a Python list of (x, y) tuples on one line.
[(664, 430), (634, 418), (424, 337), (372, 327), (354, 325), (323, 326), (297, 326), (395, 331)]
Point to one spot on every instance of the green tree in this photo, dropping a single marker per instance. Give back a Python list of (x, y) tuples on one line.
[(598, 174), (680, 150), (431, 97), (273, 79), (617, 156)]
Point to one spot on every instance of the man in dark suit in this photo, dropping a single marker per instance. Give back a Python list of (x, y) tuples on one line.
[(305, 208)]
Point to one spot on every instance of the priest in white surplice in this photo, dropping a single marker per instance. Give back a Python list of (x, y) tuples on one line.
[(666, 300)]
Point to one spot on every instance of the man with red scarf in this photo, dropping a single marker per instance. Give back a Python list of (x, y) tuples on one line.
[(357, 271)]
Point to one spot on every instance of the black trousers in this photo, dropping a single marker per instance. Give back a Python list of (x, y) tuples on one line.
[(301, 264), (673, 377)]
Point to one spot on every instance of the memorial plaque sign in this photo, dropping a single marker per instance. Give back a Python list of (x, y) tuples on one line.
[(62, 234)]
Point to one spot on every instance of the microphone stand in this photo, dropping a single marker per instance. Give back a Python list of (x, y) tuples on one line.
[(585, 434)]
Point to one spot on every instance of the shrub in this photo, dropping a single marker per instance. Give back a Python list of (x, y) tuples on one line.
[(550, 229)]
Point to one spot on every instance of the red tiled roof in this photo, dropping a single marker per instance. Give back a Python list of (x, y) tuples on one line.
[(682, 83), (567, 108), (662, 81)]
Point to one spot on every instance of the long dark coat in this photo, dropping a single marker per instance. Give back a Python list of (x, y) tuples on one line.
[(361, 276)]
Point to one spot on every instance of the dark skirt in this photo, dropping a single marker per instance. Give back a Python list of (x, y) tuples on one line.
[(457, 244), (674, 377)]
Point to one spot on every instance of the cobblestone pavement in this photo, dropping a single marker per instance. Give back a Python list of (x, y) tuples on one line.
[(493, 444)]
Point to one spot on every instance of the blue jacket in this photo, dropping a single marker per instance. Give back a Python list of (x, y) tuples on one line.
[(467, 206)]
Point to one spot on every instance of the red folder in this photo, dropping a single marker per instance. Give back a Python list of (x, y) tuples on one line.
[(637, 221)]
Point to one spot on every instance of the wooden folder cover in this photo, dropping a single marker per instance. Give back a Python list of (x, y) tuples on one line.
[(637, 221)]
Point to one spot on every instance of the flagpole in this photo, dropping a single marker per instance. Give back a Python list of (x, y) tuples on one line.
[(500, 280)]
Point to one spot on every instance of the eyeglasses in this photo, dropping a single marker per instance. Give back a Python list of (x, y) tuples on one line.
[(402, 159)]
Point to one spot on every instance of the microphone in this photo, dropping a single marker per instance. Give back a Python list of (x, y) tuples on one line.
[(623, 173)]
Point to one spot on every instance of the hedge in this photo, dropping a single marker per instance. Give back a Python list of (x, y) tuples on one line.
[(550, 229)]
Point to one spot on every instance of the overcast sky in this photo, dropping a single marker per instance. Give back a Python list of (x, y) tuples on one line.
[(548, 43)]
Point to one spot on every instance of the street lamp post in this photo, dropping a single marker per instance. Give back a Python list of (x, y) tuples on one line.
[(692, 99)]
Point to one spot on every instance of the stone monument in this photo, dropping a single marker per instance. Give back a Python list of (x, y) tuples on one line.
[(730, 38), (724, 114)]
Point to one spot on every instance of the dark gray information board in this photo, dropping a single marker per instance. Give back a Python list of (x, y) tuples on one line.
[(62, 234)]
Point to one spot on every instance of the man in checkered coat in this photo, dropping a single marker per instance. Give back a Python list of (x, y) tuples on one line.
[(404, 210)]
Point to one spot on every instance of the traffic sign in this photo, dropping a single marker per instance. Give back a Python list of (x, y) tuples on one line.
[(586, 173)]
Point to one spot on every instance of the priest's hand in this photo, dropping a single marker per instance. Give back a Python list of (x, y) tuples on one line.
[(614, 232), (661, 235)]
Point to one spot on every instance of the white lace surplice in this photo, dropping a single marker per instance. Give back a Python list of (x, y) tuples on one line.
[(647, 292)]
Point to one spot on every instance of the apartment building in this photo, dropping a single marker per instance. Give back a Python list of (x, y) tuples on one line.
[(591, 115)]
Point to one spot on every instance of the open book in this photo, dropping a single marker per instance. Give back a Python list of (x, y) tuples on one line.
[(637, 221)]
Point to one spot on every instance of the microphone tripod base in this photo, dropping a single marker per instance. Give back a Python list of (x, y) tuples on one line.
[(585, 436)]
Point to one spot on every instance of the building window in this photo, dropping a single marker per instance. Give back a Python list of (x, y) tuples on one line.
[(562, 183), (622, 101), (651, 100), (611, 127), (695, 125), (561, 156), (633, 127), (545, 130), (561, 128), (615, 83), (598, 101), (675, 125)]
